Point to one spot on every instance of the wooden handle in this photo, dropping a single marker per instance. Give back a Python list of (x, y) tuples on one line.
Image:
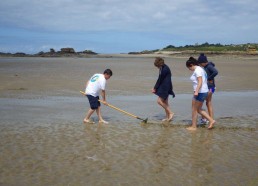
[(83, 93), (118, 109)]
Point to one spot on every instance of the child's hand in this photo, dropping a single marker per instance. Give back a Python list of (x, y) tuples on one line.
[(153, 91), (104, 102)]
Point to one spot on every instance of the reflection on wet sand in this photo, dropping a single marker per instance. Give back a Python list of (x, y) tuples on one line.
[(75, 154), (96, 146), (201, 164)]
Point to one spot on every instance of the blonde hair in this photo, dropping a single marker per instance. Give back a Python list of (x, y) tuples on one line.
[(159, 62)]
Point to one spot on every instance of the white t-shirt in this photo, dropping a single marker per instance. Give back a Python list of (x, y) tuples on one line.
[(96, 83), (199, 72)]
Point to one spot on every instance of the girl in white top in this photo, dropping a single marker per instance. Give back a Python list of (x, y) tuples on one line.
[(200, 88), (199, 72)]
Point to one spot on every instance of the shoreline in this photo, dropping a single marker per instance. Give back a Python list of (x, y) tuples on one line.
[(126, 55), (71, 108), (231, 110), (132, 75)]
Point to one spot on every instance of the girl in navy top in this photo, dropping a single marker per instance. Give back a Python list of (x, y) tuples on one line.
[(163, 87)]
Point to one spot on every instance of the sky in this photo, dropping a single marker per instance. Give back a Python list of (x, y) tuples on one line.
[(122, 26)]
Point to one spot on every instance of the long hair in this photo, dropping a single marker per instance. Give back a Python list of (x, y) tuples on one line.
[(191, 62)]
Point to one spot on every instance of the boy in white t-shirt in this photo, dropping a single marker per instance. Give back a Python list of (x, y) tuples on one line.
[(94, 86)]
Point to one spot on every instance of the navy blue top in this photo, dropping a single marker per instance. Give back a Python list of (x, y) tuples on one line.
[(211, 73), (164, 86)]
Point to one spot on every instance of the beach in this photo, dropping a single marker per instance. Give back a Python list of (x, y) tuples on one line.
[(45, 142)]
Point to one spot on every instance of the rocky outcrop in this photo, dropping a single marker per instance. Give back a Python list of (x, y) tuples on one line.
[(64, 52), (67, 50)]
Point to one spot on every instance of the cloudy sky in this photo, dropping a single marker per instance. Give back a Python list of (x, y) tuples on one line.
[(121, 26)]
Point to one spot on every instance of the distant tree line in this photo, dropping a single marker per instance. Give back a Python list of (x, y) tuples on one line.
[(213, 47)]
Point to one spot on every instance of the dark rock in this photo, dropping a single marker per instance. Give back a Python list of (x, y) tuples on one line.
[(67, 50)]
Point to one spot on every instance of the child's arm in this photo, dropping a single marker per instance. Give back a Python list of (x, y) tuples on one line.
[(103, 94), (86, 84), (199, 85), (213, 72)]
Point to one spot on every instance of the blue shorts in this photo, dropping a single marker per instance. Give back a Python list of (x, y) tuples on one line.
[(212, 89), (201, 97), (94, 102)]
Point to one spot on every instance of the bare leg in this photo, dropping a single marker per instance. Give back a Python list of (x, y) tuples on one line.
[(197, 107), (170, 114), (204, 114), (194, 116), (209, 105), (164, 103), (98, 111), (101, 120), (88, 115)]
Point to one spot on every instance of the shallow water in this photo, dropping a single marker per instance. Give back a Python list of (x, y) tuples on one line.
[(44, 142), (126, 154)]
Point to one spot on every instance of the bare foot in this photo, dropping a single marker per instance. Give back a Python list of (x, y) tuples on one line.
[(164, 119), (88, 121), (171, 117), (103, 121), (191, 128), (212, 124)]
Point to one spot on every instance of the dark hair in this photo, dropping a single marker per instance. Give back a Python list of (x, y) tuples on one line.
[(191, 62), (159, 62), (108, 72)]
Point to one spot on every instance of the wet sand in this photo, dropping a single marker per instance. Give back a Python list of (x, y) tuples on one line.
[(44, 142)]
